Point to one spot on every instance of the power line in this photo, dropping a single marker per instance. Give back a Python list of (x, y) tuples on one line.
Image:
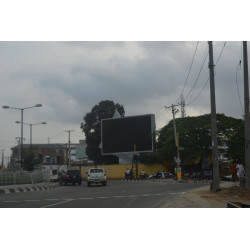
[(190, 102), (189, 70), (195, 83), (221, 53)]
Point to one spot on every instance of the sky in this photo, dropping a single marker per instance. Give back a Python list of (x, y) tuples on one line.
[(69, 78)]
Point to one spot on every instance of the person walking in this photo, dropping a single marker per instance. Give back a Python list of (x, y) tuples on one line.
[(233, 170), (240, 170)]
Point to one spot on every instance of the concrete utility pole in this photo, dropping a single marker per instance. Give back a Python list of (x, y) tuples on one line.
[(174, 111), (69, 154), (215, 184), (247, 119)]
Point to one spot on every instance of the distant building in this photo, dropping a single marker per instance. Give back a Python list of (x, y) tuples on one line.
[(53, 154)]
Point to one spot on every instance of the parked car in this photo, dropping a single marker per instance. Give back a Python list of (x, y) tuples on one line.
[(208, 175), (96, 175), (70, 176)]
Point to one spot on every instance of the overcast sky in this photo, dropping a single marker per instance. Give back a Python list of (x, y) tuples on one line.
[(69, 78)]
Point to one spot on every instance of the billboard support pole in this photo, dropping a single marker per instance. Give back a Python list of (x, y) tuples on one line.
[(136, 164)]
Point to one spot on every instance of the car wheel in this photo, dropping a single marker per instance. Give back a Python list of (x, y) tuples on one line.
[(104, 183)]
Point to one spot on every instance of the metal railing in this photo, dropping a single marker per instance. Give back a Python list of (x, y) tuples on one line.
[(11, 178)]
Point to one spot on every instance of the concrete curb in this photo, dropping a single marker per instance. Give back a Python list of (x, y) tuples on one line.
[(171, 181), (27, 188)]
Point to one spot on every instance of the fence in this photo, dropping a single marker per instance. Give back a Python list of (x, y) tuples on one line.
[(10, 178)]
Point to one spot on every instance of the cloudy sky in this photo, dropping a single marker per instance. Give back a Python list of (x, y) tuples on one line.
[(69, 78)]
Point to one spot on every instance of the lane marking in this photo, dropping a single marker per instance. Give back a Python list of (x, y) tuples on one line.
[(53, 199), (11, 201), (51, 205), (31, 200), (102, 197)]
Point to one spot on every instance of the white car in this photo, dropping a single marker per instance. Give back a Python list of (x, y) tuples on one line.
[(96, 175)]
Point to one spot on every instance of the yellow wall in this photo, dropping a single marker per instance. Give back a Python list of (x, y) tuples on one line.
[(118, 171)]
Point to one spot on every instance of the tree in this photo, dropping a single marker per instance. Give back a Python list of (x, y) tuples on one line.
[(195, 138), (29, 158), (92, 129)]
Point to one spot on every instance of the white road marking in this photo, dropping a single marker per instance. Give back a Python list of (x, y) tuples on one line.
[(102, 197), (31, 200), (53, 199), (11, 201), (51, 205)]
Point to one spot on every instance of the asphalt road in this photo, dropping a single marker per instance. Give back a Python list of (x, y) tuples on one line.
[(117, 194)]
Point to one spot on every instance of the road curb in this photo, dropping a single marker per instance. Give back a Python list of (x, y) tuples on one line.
[(28, 188), (171, 181)]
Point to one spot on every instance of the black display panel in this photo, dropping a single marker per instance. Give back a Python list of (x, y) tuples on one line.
[(119, 135)]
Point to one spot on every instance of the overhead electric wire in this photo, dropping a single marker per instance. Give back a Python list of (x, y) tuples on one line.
[(221, 53), (189, 70), (190, 102), (197, 78)]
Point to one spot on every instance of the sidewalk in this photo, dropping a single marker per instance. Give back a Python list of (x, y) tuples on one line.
[(205, 198), (27, 187)]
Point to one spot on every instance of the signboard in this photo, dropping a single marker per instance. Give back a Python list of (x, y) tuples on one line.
[(120, 135)]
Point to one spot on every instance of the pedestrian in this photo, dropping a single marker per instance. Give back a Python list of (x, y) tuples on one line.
[(143, 174), (127, 174), (233, 170), (240, 170)]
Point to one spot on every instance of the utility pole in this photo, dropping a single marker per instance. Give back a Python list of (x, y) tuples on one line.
[(247, 119), (69, 154), (215, 183), (178, 161)]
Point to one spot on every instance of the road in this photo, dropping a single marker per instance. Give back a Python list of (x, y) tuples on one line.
[(117, 194)]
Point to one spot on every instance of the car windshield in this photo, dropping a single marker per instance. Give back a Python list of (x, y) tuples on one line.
[(96, 170), (73, 172)]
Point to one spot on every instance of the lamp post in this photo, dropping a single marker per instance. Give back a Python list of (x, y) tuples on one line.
[(22, 109), (31, 124)]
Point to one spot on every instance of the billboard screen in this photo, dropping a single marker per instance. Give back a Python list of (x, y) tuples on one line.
[(119, 135)]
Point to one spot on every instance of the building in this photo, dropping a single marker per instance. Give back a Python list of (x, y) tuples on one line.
[(53, 154)]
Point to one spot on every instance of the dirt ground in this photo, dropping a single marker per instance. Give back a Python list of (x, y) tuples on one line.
[(205, 198), (229, 192)]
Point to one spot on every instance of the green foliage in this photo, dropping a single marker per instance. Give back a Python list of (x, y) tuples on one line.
[(195, 137), (92, 129), (29, 158)]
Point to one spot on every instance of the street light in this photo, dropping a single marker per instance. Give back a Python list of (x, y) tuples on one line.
[(30, 124), (22, 109)]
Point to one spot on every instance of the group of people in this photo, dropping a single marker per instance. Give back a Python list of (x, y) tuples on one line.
[(237, 170)]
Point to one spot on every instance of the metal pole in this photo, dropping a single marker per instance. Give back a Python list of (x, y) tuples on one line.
[(247, 119), (215, 183), (30, 134), (175, 137), (21, 138), (69, 152)]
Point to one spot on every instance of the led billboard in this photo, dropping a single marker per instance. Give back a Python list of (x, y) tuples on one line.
[(119, 135)]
